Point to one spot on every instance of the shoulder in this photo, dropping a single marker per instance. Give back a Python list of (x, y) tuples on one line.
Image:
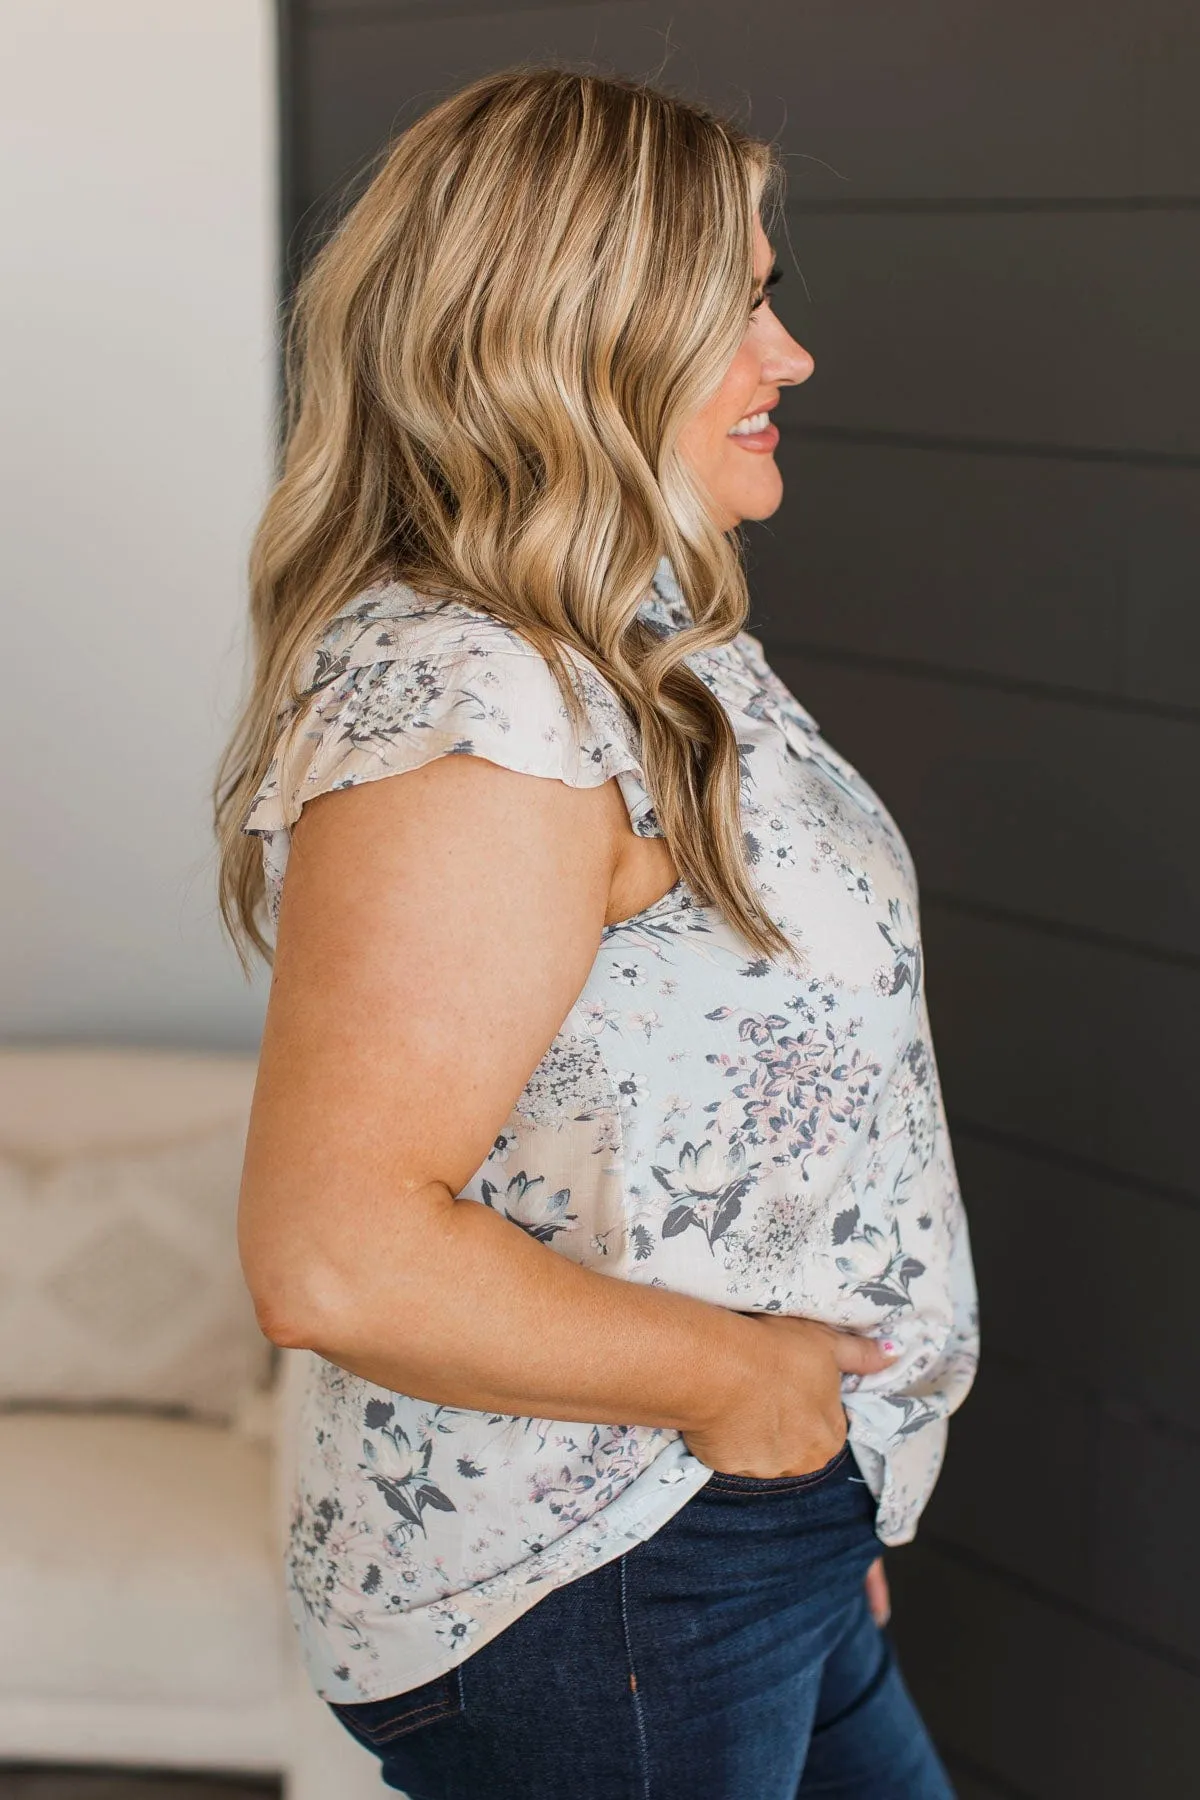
[(396, 679), (391, 622)]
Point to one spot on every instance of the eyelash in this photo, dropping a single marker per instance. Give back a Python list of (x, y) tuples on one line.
[(773, 278)]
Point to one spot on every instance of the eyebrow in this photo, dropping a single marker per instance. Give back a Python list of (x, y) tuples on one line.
[(773, 270), (762, 288)]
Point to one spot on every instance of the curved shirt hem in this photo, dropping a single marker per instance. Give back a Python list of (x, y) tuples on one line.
[(479, 1614), (473, 1617)]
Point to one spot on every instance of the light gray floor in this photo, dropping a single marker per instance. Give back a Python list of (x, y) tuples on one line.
[(81, 1784)]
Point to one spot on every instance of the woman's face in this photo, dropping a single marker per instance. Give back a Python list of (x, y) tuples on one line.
[(739, 470)]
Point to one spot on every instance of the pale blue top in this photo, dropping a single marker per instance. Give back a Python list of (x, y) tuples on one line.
[(767, 1135)]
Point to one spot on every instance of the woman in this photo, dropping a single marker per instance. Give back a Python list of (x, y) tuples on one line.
[(623, 980)]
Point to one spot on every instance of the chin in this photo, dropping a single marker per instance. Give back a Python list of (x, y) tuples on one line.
[(746, 493), (761, 505)]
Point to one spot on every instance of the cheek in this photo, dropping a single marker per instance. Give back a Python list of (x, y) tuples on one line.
[(707, 435), (738, 389)]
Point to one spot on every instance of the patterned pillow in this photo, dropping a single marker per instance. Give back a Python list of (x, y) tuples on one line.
[(119, 1278)]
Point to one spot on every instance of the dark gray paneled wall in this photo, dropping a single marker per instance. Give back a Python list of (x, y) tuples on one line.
[(982, 581)]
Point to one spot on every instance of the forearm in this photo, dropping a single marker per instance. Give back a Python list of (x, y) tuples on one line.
[(479, 1314)]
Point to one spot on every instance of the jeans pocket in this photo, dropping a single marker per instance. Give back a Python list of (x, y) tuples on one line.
[(724, 1483), (378, 1723)]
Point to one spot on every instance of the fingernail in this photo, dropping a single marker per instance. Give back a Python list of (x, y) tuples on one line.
[(889, 1348)]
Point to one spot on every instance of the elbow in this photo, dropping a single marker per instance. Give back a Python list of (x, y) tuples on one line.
[(294, 1312), (331, 1296), (291, 1328)]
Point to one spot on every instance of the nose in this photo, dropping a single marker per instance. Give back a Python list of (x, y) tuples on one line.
[(786, 360)]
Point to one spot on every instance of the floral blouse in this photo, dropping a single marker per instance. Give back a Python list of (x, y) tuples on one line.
[(766, 1135)]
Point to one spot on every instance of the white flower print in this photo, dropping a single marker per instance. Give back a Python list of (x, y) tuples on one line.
[(453, 1626), (858, 883), (527, 1203), (598, 1013), (706, 1189), (504, 1142)]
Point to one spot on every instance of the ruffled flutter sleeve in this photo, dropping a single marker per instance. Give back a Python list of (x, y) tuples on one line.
[(399, 694)]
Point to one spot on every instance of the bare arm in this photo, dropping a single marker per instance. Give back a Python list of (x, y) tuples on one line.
[(436, 928)]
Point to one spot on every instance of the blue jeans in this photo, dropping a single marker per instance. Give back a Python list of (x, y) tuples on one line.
[(731, 1656)]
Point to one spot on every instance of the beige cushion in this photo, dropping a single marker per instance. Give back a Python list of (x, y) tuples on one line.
[(137, 1563), (119, 1276)]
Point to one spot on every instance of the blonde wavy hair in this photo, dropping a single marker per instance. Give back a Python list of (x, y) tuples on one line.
[(488, 365)]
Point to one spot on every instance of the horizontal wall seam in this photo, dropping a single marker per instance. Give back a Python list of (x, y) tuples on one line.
[(914, 669), (988, 446), (1059, 928), (1101, 1623), (419, 12), (1054, 1157), (1002, 203)]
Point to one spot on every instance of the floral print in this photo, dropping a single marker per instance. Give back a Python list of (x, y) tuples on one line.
[(765, 1134)]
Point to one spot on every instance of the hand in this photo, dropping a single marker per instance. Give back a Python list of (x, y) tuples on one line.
[(879, 1598), (780, 1410)]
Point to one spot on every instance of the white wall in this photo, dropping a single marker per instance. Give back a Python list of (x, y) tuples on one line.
[(137, 277)]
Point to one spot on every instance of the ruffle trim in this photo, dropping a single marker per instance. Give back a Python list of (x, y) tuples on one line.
[(386, 698)]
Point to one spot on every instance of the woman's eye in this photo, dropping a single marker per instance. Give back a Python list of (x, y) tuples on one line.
[(773, 278)]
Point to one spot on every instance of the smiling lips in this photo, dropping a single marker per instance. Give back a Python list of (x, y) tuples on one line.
[(755, 432)]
